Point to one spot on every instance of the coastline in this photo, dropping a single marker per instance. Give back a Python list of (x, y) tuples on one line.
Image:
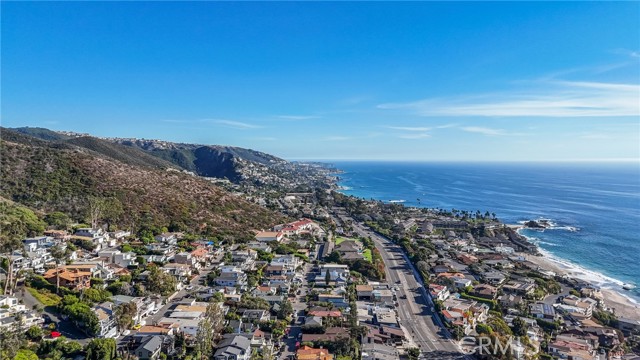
[(624, 306)]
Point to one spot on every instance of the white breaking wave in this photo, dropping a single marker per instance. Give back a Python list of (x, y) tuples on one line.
[(578, 272), (397, 201)]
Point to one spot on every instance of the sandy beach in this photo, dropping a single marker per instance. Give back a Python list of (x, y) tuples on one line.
[(624, 306)]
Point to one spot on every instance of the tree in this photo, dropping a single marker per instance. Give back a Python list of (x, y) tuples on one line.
[(95, 209), (11, 339), (519, 327), (327, 277), (112, 211), (286, 309), (160, 282), (209, 330), (25, 354), (58, 254), (59, 220), (16, 222), (34, 333), (124, 314), (101, 349), (413, 353)]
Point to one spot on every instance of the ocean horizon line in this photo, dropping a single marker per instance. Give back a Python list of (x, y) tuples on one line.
[(428, 161)]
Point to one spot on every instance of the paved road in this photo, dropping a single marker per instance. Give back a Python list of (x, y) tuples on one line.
[(414, 312), (299, 305), (66, 328), (164, 310)]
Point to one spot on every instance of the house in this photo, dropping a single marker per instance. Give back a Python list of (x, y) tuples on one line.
[(264, 290), (74, 279), (569, 347), (519, 288), (312, 321), (201, 255), (384, 316), (181, 272), (336, 299), (509, 301), (150, 330), (382, 295), (585, 305), (149, 349), (485, 291), (543, 311), (231, 276), (144, 305), (58, 234), (185, 326), (438, 292), (106, 320), (364, 292), (461, 283), (272, 270), (330, 334), (269, 236), (119, 235), (494, 277), (10, 307), (349, 246), (255, 245), (40, 242), (299, 227), (90, 232), (326, 313), (309, 353), (167, 238), (233, 347), (628, 325), (379, 352), (290, 262), (186, 258), (272, 299), (255, 315)]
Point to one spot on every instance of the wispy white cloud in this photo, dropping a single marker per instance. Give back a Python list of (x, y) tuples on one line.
[(595, 136), (484, 130), (554, 99), (630, 53), (297, 117), (234, 124), (415, 136), (446, 126)]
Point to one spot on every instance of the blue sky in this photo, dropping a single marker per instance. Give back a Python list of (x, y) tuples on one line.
[(473, 81)]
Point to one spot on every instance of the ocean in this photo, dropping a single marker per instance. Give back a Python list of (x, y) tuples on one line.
[(594, 207)]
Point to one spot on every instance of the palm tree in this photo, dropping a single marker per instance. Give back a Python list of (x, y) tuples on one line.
[(10, 240), (58, 254)]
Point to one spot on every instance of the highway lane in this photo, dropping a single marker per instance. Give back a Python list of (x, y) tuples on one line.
[(414, 311)]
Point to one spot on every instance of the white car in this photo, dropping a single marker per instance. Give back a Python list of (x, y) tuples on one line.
[(190, 287)]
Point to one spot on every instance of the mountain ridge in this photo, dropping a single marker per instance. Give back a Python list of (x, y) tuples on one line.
[(49, 176), (217, 161)]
